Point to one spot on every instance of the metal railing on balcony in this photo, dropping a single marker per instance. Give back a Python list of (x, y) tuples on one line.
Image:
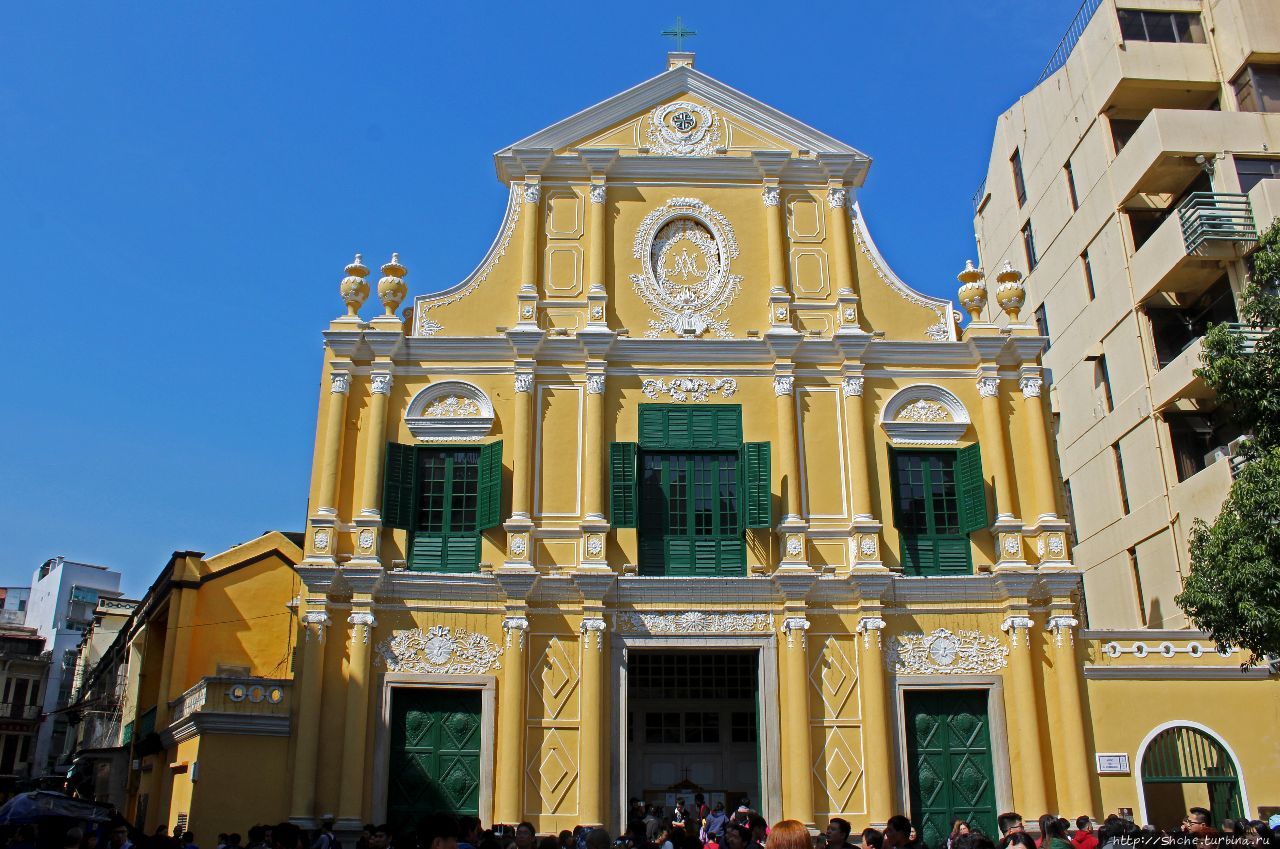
[(1068, 43), (1216, 216), (1249, 336), (10, 710)]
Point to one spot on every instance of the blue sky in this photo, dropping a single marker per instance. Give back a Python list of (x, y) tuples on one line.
[(182, 183)]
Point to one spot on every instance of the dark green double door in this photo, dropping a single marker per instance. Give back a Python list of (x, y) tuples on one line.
[(435, 754), (949, 754)]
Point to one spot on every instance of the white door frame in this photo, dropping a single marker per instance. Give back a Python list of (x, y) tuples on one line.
[(770, 801), (1165, 726), (487, 687)]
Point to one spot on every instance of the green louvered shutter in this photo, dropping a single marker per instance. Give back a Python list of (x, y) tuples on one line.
[(951, 556), (893, 486), (489, 495), (654, 422), (757, 496), (398, 490), (971, 489), (461, 553), (622, 484), (728, 426), (427, 553)]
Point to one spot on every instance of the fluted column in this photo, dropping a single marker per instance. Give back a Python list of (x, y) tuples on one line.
[(877, 728), (593, 452), (994, 449), (508, 806), (797, 792), (331, 447), (522, 446), (375, 446), (592, 765), (356, 722), (308, 693), (1044, 494), (784, 385), (838, 232), (1021, 705), (1071, 744)]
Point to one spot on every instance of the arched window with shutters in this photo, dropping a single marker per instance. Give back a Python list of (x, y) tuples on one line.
[(1184, 765)]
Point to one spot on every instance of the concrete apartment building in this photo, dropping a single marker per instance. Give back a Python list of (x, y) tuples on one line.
[(64, 596), (1129, 186), (13, 605)]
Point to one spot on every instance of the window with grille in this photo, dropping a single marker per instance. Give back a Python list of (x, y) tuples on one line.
[(444, 496), (939, 498), (679, 675)]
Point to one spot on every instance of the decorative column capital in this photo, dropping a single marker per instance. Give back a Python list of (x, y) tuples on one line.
[(339, 382), (1060, 624), (319, 619), (988, 387), (382, 383), (595, 384), (1011, 624), (519, 624), (783, 384), (851, 386), (791, 625), (837, 197), (869, 625), (771, 195), (1030, 385), (524, 382), (593, 625), (598, 193), (361, 621), (532, 192)]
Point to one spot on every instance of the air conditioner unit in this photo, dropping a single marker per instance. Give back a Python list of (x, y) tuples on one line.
[(1219, 453)]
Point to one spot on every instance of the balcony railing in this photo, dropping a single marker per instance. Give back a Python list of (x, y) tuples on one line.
[(10, 710), (1216, 216), (245, 698), (1248, 335), (1068, 42)]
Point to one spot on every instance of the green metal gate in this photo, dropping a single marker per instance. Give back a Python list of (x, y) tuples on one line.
[(1185, 755), (435, 754), (949, 755)]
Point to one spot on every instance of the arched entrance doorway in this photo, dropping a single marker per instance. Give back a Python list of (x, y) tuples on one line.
[(1185, 766)]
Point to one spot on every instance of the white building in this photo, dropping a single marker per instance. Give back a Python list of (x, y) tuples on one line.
[(13, 605), (64, 595)]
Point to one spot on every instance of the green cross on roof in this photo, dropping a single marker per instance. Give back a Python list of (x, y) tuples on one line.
[(679, 33)]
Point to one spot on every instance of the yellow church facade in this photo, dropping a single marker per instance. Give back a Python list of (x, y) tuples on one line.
[(684, 490)]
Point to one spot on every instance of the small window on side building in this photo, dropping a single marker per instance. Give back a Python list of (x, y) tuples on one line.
[(1251, 172), (1122, 129), (1029, 245), (1088, 274), (1071, 186), (1042, 321), (1019, 184), (1168, 27), (1257, 88)]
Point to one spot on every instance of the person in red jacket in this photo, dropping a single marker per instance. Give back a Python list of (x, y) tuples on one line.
[(1084, 837)]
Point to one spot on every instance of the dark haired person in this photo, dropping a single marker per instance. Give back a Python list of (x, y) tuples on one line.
[(1084, 838), (838, 833)]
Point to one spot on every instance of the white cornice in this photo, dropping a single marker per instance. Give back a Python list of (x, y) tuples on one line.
[(668, 84)]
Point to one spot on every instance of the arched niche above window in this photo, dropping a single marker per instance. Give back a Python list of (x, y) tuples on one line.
[(924, 414), (450, 411)]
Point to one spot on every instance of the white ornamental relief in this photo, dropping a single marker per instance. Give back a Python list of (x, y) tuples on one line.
[(339, 383), (771, 195), (924, 410), (518, 545), (524, 382), (595, 545), (452, 407), (989, 387), (683, 129), (595, 384), (321, 539), (439, 650), (851, 386), (365, 539), (1056, 545), (783, 385), (1030, 386), (836, 197), (694, 622), (685, 248), (381, 384), (946, 653), (689, 388), (1011, 545), (868, 546), (532, 192), (598, 194), (795, 546)]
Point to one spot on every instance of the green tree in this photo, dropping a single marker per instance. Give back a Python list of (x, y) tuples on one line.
[(1233, 588)]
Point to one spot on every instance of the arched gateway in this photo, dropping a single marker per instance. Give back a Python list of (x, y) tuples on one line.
[(1186, 766)]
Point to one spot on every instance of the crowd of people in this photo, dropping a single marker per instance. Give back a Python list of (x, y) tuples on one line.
[(696, 826)]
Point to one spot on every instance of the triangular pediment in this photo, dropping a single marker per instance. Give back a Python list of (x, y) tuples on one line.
[(725, 122)]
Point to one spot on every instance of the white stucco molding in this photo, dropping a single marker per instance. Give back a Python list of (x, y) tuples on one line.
[(450, 411), (924, 414)]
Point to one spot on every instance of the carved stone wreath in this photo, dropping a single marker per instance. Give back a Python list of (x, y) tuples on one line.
[(694, 622), (689, 388), (946, 653), (684, 248), (683, 129), (439, 650)]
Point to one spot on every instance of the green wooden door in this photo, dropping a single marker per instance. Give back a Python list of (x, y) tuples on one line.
[(435, 754), (949, 754), (927, 512)]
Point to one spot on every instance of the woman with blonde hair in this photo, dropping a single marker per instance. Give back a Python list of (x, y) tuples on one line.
[(789, 834)]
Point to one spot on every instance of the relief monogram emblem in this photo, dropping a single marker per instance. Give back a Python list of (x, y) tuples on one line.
[(685, 248), (683, 129)]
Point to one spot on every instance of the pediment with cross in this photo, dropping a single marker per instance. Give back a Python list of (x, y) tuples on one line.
[(683, 112)]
